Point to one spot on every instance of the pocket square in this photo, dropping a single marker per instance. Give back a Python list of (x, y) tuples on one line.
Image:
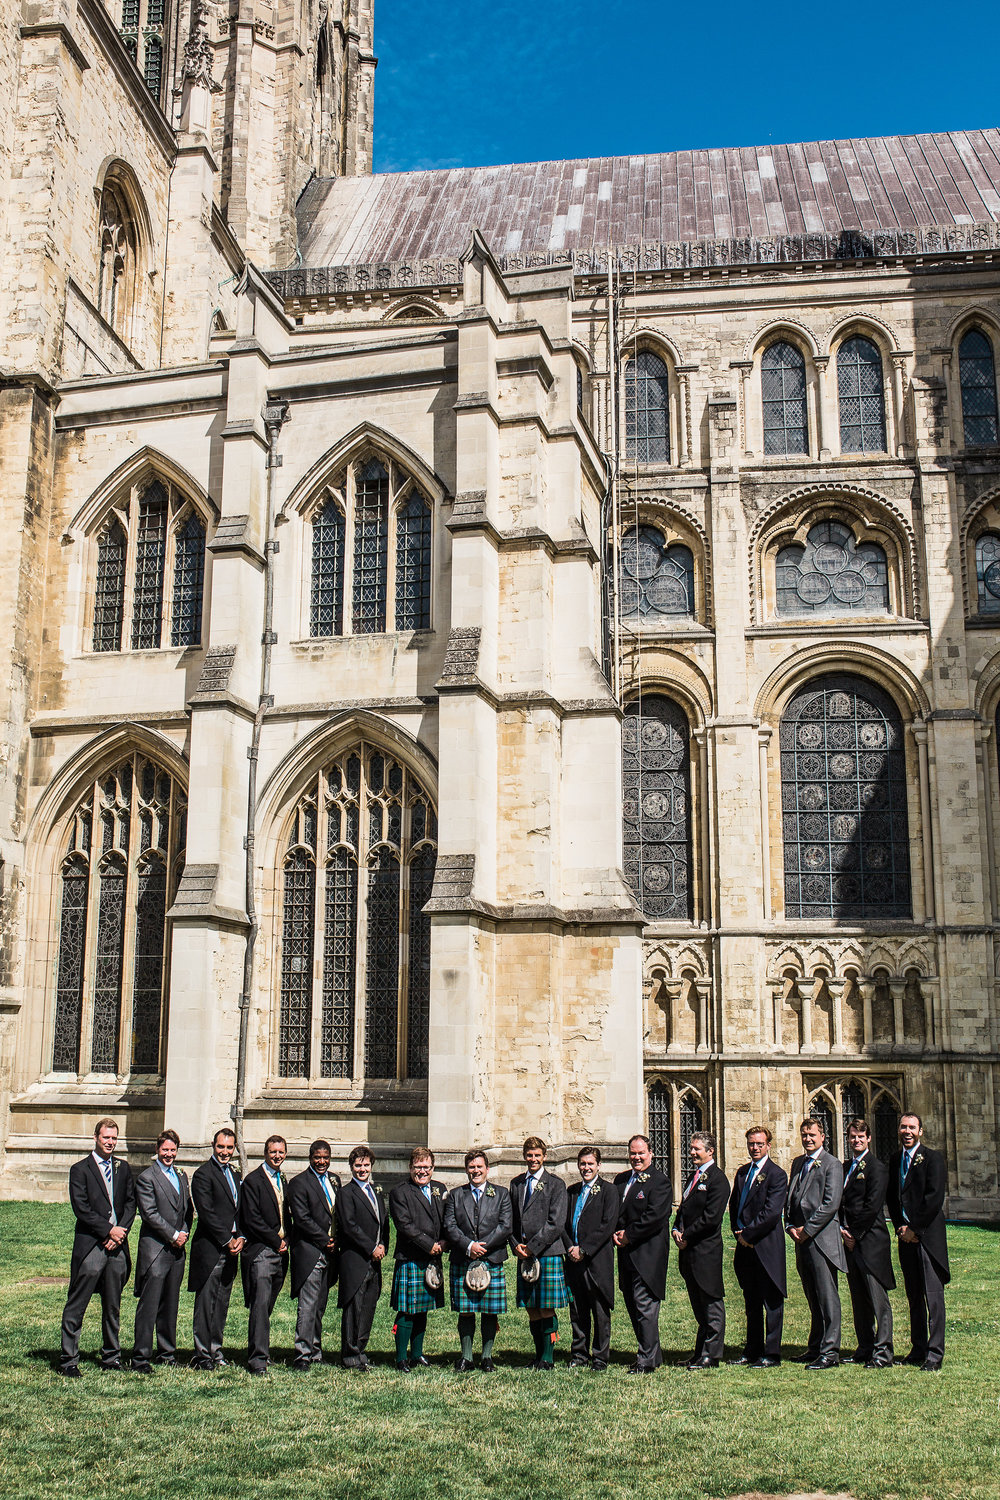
[(640, 1195)]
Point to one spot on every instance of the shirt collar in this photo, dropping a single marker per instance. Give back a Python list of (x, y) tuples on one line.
[(755, 1166), (535, 1176), (813, 1155), (165, 1169), (862, 1156), (225, 1166), (320, 1176), (101, 1161)]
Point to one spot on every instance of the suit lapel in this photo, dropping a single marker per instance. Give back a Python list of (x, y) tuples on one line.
[(366, 1200)]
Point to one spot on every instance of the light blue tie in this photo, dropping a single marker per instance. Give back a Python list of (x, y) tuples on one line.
[(427, 1193), (109, 1179), (751, 1179), (325, 1185), (230, 1181), (584, 1193)]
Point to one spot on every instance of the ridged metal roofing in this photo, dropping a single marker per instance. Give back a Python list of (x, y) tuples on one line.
[(819, 187)]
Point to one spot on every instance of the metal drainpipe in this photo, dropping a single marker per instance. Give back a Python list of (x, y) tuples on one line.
[(275, 414)]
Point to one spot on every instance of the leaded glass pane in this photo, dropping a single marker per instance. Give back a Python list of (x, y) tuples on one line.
[(339, 963), (371, 514), (886, 1126), (147, 989), (656, 808), (852, 1106), (295, 1018), (831, 575), (69, 972), (862, 397), (151, 550), (647, 409), (657, 580), (108, 967), (783, 393), (152, 65), (109, 593), (418, 997), (843, 797), (382, 986), (979, 389), (326, 607), (821, 1109), (413, 565), (658, 1109), (691, 1120), (189, 581), (988, 573)]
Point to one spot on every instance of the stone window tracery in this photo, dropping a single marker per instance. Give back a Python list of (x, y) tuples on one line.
[(831, 574), (124, 855), (977, 376), (675, 1111), (647, 409), (141, 25), (355, 943), (843, 796), (783, 396), (839, 1101), (988, 573), (118, 258), (150, 571), (861, 389), (656, 808), (657, 580), (371, 545)]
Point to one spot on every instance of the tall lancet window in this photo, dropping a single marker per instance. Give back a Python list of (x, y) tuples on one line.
[(150, 573)]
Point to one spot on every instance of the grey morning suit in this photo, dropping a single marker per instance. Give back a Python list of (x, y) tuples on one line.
[(159, 1267), (814, 1192)]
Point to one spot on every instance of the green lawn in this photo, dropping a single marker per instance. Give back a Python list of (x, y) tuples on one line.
[(522, 1436)]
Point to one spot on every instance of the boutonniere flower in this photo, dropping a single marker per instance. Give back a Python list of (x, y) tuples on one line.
[(491, 1192), (643, 1176), (595, 1190), (918, 1158), (435, 1192), (377, 1186)]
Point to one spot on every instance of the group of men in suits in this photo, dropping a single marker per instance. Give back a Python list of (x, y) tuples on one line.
[(565, 1244)]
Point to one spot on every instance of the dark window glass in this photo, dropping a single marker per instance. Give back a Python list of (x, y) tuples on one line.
[(647, 409), (419, 984), (979, 389), (152, 65), (657, 580), (656, 808), (151, 549), (108, 965), (297, 934), (821, 1109), (831, 574), (150, 937), (189, 581), (988, 573), (862, 397), (852, 1107), (70, 973), (579, 390), (326, 610), (382, 989), (886, 1126), (843, 798), (658, 1105), (109, 600), (339, 962), (691, 1120), (370, 548), (783, 392), (413, 564)]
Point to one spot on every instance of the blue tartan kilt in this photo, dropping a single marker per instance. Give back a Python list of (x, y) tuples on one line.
[(550, 1288), (409, 1294), (493, 1300)]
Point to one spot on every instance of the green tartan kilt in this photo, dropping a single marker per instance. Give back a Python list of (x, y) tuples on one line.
[(550, 1288), (493, 1300), (409, 1294)]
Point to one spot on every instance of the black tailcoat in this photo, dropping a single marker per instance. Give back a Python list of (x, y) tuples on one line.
[(358, 1233), (91, 1206), (260, 1224), (540, 1222), (862, 1213), (699, 1218), (763, 1226), (419, 1224), (488, 1224), (311, 1222), (598, 1222), (217, 1220), (922, 1198), (645, 1218)]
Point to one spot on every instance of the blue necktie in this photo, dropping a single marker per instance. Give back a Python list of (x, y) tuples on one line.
[(751, 1179), (851, 1170), (578, 1210), (173, 1179), (109, 1179), (427, 1193), (324, 1184), (230, 1180), (529, 1188)]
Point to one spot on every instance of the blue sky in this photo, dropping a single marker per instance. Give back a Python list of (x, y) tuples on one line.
[(464, 83)]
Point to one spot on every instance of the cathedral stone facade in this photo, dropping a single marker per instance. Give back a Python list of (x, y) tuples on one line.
[(488, 651)]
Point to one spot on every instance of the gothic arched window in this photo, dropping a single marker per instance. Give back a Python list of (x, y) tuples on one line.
[(141, 24), (118, 258), (839, 1101), (977, 376), (783, 395), (843, 800), (988, 573), (647, 409), (371, 544), (150, 573), (355, 943), (124, 855), (656, 804), (657, 580), (675, 1112), (831, 574), (862, 397)]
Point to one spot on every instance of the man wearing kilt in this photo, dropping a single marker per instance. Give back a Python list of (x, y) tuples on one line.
[(538, 1206), (417, 1210), (477, 1224)]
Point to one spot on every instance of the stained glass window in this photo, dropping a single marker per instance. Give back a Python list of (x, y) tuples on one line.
[(840, 1101), (647, 409), (862, 397), (843, 795), (168, 538), (326, 611), (366, 828), (114, 902), (656, 790), (831, 574), (783, 392), (109, 601), (657, 580), (413, 564), (675, 1113), (189, 578), (371, 529), (988, 573), (150, 556), (977, 376), (659, 1105)]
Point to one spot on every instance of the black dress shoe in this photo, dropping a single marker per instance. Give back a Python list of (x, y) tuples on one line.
[(487, 1366), (914, 1359), (597, 1365), (855, 1359), (301, 1364), (641, 1369), (141, 1367), (802, 1359), (420, 1360), (744, 1359), (579, 1362), (404, 1367), (825, 1362), (703, 1362), (463, 1366), (765, 1363), (931, 1364), (114, 1368), (72, 1372), (878, 1364)]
